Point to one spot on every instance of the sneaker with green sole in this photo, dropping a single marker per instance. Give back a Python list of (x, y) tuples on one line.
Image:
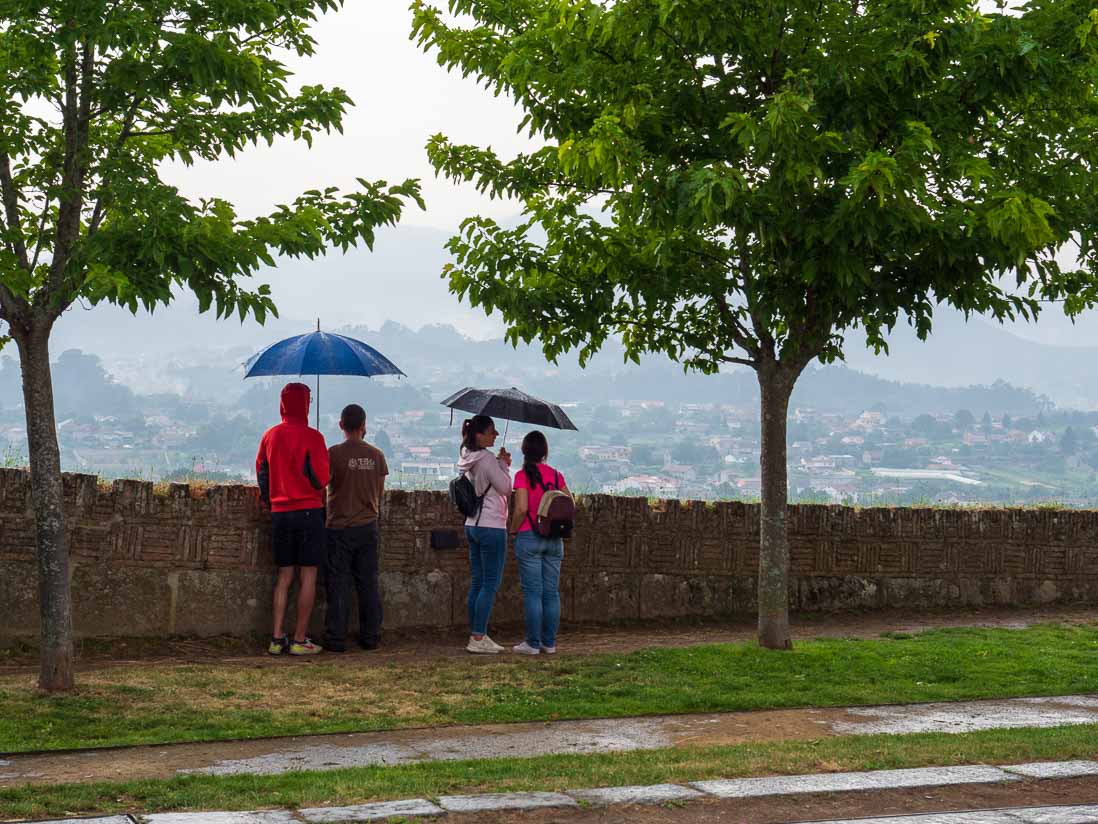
[(306, 647), (278, 646)]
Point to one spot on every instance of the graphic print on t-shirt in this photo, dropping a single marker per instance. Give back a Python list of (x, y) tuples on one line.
[(358, 480)]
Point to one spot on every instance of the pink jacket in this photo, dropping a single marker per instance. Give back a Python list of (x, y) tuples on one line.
[(489, 475)]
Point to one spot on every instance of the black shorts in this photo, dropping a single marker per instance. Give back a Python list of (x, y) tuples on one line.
[(297, 538)]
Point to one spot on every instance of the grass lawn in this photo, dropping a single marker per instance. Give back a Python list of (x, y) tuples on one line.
[(558, 772), (161, 704)]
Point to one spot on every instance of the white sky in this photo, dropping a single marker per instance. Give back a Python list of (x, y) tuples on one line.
[(401, 96)]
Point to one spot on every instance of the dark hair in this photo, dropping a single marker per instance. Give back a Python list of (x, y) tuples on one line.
[(534, 450), (352, 418), (470, 428)]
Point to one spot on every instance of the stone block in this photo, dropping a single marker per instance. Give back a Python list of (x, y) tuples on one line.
[(605, 596), (503, 801), (115, 599), (19, 595), (814, 593), (110, 819), (416, 600), (1054, 769), (915, 593), (653, 794), (674, 596), (223, 601), (254, 817), (371, 812), (841, 782)]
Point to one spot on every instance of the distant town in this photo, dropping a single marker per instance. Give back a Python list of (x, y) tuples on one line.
[(651, 448)]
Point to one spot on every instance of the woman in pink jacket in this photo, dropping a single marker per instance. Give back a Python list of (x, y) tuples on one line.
[(487, 530)]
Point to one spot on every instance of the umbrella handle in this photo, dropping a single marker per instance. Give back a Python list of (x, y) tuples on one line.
[(506, 426)]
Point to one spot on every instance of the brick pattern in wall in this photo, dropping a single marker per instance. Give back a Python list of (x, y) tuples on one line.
[(183, 559)]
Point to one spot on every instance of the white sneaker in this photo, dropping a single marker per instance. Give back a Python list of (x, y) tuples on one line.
[(525, 649), (549, 650), (485, 646)]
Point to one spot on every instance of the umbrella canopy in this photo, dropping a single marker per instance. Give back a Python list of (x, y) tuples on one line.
[(510, 405), (320, 353)]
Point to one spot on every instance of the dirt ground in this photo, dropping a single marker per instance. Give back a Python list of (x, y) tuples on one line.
[(824, 807), (403, 645)]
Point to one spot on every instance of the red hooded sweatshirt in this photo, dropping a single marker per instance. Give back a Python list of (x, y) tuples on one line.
[(292, 464)]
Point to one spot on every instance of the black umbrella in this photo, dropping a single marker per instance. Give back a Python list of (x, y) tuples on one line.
[(510, 405)]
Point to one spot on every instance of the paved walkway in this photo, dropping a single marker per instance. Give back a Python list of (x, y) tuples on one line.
[(496, 805), (327, 752)]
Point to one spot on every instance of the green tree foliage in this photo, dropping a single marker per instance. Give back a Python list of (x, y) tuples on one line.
[(644, 455), (1069, 442), (695, 453), (739, 183), (382, 441), (963, 420), (95, 97), (924, 424)]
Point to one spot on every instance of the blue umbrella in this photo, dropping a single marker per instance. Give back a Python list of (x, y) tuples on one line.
[(319, 353)]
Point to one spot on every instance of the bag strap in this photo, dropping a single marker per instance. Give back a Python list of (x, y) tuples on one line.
[(480, 498), (529, 510)]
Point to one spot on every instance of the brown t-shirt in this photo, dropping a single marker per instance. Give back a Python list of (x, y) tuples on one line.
[(358, 478)]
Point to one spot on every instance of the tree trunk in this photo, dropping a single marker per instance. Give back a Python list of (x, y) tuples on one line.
[(55, 605), (775, 386)]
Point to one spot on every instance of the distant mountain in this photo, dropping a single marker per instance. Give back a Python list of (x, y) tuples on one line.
[(400, 281), (439, 360), (961, 353)]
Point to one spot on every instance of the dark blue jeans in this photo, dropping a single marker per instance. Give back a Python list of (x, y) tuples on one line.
[(539, 561), (487, 552)]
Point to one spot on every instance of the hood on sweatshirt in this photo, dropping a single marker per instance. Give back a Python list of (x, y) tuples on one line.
[(469, 459), (295, 403)]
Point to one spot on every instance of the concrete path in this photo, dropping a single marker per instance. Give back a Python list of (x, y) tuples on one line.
[(498, 803), (329, 752)]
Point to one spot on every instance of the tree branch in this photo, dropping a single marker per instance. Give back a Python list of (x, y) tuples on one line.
[(11, 307), (100, 210), (10, 195), (41, 235), (79, 88), (736, 329)]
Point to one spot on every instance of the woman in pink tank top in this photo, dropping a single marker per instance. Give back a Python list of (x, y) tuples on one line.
[(539, 559)]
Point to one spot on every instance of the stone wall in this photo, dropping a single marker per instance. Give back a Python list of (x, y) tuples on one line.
[(191, 561)]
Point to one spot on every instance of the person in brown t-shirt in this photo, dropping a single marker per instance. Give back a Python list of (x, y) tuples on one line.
[(353, 540)]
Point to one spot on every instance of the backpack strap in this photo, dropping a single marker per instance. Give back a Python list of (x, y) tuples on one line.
[(480, 498), (529, 511)]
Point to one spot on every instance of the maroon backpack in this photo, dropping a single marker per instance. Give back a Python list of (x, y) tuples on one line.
[(556, 515)]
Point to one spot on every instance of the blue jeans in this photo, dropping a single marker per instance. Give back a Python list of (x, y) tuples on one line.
[(539, 562), (487, 552)]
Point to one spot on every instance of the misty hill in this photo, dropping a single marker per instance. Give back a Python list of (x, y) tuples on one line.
[(400, 281), (440, 360), (960, 353)]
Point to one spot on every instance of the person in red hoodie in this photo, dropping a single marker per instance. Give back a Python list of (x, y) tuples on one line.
[(292, 470)]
